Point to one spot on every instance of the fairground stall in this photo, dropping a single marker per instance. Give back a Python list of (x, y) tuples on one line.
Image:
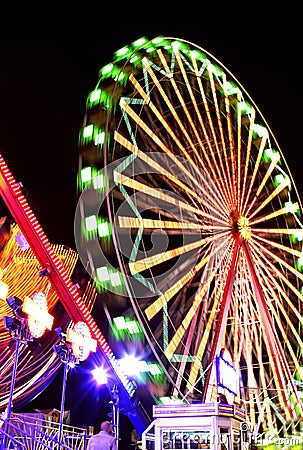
[(208, 426)]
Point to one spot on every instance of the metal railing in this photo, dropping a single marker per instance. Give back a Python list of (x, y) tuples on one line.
[(27, 433)]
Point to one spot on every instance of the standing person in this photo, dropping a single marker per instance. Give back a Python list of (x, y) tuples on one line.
[(104, 440), (136, 442)]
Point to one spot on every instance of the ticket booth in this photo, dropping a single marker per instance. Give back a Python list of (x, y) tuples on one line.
[(212, 426), (215, 425)]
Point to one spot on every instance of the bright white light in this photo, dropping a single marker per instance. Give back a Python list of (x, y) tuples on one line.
[(130, 364), (100, 375)]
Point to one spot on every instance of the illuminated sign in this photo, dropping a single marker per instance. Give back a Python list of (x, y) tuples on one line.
[(227, 376)]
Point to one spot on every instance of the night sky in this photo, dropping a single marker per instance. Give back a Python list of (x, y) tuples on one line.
[(50, 62)]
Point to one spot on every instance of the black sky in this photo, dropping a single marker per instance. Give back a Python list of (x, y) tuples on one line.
[(50, 62)]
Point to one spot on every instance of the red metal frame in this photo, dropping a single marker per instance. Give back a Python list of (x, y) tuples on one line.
[(67, 292)]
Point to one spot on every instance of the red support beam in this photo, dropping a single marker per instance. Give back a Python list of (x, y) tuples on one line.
[(67, 292)]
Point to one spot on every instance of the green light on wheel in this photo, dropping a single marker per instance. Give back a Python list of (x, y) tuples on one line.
[(259, 130), (115, 279), (140, 42), (91, 223), (112, 71), (127, 323), (215, 70), (158, 40), (108, 278), (299, 374), (104, 229), (150, 49), (244, 108), (134, 59), (99, 97), (102, 273), (297, 236), (88, 131), (100, 138), (106, 70), (155, 369), (195, 54), (297, 406), (281, 179), (126, 327), (299, 263), (119, 322), (230, 88), (99, 181), (89, 176), (122, 52), (92, 134), (94, 96), (133, 327), (271, 155), (292, 207), (86, 174), (176, 45)]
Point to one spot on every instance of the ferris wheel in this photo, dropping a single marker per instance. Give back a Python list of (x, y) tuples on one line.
[(189, 211)]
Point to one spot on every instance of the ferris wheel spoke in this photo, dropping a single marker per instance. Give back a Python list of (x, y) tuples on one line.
[(274, 294), (279, 212), (281, 327), (280, 367), (183, 105), (216, 202), (161, 144), (279, 281), (159, 258), (274, 257), (284, 184), (247, 153), (272, 243), (168, 128), (200, 121), (226, 256), (129, 182), (222, 162), (213, 150), (268, 173), (211, 164), (249, 198), (177, 119), (121, 179), (188, 345), (230, 160), (251, 381), (131, 222), (254, 174), (160, 302), (274, 357), (194, 371)]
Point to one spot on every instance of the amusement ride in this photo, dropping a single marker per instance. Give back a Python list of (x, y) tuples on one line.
[(189, 235)]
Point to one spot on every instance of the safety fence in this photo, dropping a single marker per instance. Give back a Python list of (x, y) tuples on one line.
[(24, 432)]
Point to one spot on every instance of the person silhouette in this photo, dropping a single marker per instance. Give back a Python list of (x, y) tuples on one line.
[(104, 440)]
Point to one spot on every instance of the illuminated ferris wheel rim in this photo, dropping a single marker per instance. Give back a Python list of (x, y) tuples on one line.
[(252, 163), (237, 220)]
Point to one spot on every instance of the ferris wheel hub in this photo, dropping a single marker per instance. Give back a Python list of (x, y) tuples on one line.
[(240, 225), (244, 228)]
